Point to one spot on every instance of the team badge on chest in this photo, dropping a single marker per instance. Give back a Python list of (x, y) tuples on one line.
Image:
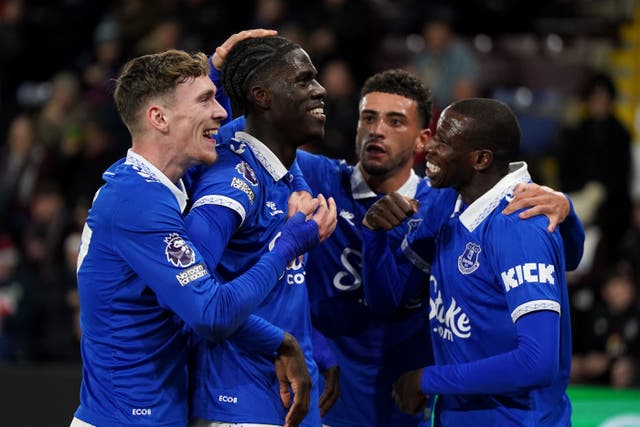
[(247, 172), (468, 261)]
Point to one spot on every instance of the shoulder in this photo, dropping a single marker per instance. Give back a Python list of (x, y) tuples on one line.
[(309, 162), (511, 228)]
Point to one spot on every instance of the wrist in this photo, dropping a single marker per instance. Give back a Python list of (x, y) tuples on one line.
[(288, 346)]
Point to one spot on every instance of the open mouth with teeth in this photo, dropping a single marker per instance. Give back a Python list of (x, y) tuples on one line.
[(210, 133), (432, 169), (317, 112)]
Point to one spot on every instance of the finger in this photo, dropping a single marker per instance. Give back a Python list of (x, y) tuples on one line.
[(308, 206), (300, 407), (525, 202), (403, 202), (325, 219), (285, 394), (400, 211), (552, 225)]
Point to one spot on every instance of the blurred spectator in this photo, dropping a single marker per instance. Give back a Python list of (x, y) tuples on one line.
[(607, 339), (12, 44), (269, 14), (43, 243), (447, 67), (595, 168), (445, 64), (341, 109), (15, 304), (631, 243), (42, 237), (23, 162), (167, 34), (70, 279), (62, 113), (79, 169), (341, 28)]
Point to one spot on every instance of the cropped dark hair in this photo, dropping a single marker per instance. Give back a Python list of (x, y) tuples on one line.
[(494, 127), (403, 83), (252, 60), (154, 76)]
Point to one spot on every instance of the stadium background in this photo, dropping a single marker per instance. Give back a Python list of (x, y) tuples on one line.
[(59, 131)]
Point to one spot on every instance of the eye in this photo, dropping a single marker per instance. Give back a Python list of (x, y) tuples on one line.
[(367, 119)]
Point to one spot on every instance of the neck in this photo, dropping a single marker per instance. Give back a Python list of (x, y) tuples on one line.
[(163, 158), (387, 183), (278, 142), (480, 183)]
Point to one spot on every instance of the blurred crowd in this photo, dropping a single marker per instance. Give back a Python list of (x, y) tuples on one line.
[(60, 130)]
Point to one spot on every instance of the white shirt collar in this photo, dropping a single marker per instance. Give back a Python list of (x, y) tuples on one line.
[(361, 190), (485, 204), (148, 171), (265, 156)]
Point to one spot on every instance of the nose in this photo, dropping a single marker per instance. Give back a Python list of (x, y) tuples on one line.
[(318, 91), (218, 112), (377, 127)]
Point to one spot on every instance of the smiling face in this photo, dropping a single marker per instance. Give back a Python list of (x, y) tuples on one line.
[(194, 118), (297, 99), (389, 131), (450, 160)]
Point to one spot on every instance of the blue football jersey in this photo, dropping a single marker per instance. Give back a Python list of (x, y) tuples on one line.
[(229, 383), (136, 268), (371, 350), (489, 271)]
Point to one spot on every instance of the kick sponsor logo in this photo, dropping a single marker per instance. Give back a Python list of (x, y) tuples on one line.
[(530, 272)]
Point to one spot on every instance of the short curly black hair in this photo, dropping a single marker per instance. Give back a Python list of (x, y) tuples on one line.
[(403, 83), (249, 61)]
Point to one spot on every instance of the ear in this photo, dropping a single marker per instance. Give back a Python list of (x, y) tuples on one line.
[(423, 138), (157, 118), (483, 159), (261, 97)]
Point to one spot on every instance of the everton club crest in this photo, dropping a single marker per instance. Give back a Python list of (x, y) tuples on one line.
[(247, 172), (468, 261), (178, 252)]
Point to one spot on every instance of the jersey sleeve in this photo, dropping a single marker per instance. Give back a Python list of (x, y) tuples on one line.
[(215, 75), (299, 183), (153, 240), (319, 172), (322, 353), (231, 183), (257, 335), (528, 262), (389, 278), (533, 363), (573, 236)]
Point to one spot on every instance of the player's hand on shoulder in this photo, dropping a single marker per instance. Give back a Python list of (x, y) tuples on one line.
[(389, 212), (407, 392), (222, 51), (540, 200)]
